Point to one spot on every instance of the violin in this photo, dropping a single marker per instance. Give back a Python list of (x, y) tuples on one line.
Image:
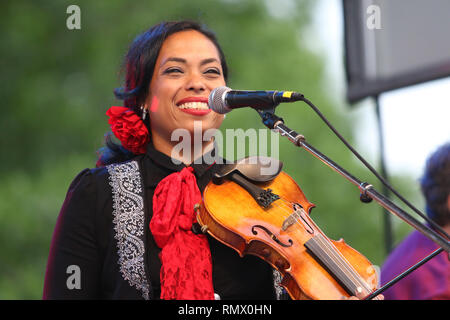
[(267, 215)]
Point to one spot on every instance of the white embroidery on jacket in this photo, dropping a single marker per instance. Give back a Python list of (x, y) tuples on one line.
[(279, 290), (128, 212)]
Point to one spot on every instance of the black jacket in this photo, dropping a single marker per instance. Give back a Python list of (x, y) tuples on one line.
[(102, 247)]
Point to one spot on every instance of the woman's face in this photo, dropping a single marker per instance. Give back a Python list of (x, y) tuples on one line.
[(187, 69)]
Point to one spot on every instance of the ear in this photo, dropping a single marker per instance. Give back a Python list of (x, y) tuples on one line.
[(145, 105)]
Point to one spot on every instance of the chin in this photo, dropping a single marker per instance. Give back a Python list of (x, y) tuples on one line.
[(202, 124)]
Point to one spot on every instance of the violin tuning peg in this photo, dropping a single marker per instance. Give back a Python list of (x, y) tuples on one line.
[(204, 228), (196, 229)]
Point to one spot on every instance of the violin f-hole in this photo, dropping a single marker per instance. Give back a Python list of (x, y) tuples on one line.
[(272, 236)]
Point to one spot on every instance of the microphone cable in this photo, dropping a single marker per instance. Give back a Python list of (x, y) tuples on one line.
[(368, 166)]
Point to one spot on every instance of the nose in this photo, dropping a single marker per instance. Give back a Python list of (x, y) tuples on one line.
[(195, 83)]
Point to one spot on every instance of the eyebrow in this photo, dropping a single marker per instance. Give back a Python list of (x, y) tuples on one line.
[(181, 60)]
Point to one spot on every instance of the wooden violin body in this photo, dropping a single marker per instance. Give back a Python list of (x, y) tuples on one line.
[(283, 234)]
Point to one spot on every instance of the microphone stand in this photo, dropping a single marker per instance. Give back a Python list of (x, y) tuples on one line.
[(367, 192)]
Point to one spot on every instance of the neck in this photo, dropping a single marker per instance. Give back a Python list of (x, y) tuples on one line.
[(186, 153)]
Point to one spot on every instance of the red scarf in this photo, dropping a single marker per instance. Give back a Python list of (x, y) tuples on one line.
[(186, 271)]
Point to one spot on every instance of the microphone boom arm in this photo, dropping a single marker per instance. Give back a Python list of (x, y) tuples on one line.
[(368, 192)]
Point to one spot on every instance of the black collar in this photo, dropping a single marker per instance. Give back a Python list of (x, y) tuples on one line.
[(200, 165), (162, 159)]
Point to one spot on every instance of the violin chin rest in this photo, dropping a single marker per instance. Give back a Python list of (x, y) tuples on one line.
[(254, 168)]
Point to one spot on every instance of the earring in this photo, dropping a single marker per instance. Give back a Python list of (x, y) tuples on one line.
[(144, 112)]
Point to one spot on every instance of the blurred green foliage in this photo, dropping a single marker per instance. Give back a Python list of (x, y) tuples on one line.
[(57, 85)]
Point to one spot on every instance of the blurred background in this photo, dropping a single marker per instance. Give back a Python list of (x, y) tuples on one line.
[(57, 83)]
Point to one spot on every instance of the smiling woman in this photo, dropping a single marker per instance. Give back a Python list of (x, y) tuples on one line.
[(126, 226), (143, 64), (188, 68)]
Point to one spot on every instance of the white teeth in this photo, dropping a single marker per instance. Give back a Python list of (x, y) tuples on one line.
[(194, 105)]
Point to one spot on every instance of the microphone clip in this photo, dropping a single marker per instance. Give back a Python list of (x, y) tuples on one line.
[(269, 118)]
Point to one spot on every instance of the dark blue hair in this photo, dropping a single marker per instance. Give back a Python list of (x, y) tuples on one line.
[(435, 185)]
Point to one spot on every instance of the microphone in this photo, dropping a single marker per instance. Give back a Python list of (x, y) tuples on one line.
[(223, 99)]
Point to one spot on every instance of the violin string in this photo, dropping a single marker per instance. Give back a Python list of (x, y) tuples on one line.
[(341, 262), (284, 207), (334, 254), (345, 266), (338, 268), (333, 267), (331, 251), (348, 268), (287, 209), (291, 207), (287, 206)]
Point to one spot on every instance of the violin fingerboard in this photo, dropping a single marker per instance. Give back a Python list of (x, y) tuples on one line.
[(337, 266)]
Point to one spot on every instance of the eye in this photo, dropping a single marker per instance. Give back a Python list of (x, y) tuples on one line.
[(213, 71), (173, 70)]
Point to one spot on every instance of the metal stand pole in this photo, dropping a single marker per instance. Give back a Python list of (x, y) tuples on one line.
[(367, 190), (388, 241)]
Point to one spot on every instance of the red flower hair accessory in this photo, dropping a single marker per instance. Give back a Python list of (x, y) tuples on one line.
[(129, 128)]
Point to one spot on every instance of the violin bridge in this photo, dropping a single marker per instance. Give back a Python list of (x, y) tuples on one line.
[(295, 217), (289, 221)]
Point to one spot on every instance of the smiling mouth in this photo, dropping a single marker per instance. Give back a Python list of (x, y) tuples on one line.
[(194, 105)]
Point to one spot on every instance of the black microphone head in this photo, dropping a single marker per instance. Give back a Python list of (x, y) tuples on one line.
[(216, 100)]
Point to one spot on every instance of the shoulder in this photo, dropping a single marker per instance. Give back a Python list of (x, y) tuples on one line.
[(408, 252), (96, 184), (123, 173), (122, 178), (430, 281), (94, 192), (413, 245), (402, 252), (112, 171), (121, 168)]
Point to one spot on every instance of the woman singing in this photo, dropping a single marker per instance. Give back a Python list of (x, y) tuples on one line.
[(124, 230)]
